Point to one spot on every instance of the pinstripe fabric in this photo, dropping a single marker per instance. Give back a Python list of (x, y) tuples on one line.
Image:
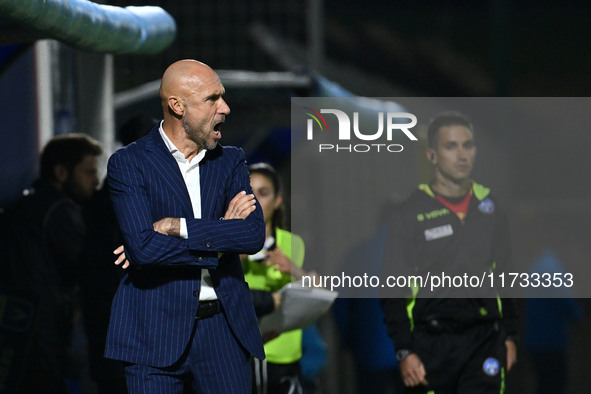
[(154, 308), (226, 374), (215, 364)]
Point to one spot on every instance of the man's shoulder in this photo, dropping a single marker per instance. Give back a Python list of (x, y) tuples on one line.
[(488, 202), (128, 154), (44, 205), (229, 150), (44, 195), (133, 148), (225, 152), (480, 191), (414, 206), (419, 197)]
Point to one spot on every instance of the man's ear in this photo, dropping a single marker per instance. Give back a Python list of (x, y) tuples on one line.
[(60, 173), (431, 155), (175, 106)]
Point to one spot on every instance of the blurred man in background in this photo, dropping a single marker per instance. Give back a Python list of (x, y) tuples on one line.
[(101, 277), (451, 345), (48, 234)]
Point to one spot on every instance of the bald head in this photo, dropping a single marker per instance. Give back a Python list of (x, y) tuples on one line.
[(192, 104), (184, 76)]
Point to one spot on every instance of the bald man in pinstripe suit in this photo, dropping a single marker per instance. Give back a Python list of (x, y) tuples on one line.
[(182, 316)]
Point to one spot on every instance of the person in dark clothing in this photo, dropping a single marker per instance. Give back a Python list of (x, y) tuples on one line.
[(101, 278), (48, 233), (451, 345), (97, 287), (547, 323), (360, 322)]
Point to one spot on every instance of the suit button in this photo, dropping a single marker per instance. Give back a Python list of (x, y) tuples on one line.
[(199, 259), (209, 245), (195, 293)]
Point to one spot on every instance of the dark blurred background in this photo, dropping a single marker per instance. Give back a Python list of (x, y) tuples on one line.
[(427, 48)]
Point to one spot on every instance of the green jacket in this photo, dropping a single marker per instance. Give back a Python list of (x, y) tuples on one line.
[(286, 348)]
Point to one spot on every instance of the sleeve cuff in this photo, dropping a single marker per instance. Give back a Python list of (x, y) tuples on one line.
[(183, 232)]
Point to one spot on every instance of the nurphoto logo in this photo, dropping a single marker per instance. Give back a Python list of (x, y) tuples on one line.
[(390, 122)]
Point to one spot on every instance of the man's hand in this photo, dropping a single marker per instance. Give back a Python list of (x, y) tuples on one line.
[(121, 258), (511, 354), (241, 206), (168, 226), (413, 371)]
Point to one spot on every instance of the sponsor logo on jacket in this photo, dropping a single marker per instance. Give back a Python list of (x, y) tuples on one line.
[(433, 214)]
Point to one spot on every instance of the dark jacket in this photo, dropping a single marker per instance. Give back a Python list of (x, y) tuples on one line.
[(48, 238), (153, 312), (426, 238)]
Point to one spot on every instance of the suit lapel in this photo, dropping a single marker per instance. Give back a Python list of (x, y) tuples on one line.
[(209, 173), (165, 165), (205, 176)]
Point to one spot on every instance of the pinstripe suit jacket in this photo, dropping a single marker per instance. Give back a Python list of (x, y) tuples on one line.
[(154, 309)]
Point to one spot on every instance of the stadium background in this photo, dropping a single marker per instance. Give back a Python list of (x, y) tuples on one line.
[(380, 49)]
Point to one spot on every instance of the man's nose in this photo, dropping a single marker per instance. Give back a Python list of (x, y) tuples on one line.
[(224, 108)]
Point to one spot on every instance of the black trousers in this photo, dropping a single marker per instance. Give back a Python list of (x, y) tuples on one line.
[(462, 360)]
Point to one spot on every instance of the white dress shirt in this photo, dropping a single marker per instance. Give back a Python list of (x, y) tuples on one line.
[(190, 172)]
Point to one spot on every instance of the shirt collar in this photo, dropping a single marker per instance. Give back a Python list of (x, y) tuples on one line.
[(176, 153)]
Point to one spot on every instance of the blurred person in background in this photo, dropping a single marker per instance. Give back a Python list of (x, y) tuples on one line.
[(547, 323), (360, 320), (101, 277), (451, 345), (48, 233), (279, 263)]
